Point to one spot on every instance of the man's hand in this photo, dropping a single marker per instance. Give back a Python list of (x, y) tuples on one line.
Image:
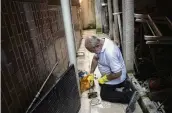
[(91, 76), (109, 77), (103, 79)]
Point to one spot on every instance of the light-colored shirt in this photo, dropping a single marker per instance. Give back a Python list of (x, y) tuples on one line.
[(111, 61)]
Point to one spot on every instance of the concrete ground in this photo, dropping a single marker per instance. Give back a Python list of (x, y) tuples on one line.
[(84, 63)]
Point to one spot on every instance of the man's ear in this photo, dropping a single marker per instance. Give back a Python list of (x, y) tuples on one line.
[(97, 45)]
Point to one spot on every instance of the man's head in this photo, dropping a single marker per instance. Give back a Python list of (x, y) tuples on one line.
[(93, 44)]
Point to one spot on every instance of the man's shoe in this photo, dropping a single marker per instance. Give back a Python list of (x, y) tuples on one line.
[(132, 104)]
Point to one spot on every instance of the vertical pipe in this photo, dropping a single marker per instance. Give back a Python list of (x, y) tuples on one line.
[(110, 19), (115, 24), (104, 17), (98, 13), (69, 32), (128, 33)]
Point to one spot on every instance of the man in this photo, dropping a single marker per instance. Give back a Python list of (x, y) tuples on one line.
[(111, 65)]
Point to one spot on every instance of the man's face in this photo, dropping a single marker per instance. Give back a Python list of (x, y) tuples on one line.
[(94, 49)]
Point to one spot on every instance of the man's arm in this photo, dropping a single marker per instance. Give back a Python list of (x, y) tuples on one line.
[(94, 64), (113, 76)]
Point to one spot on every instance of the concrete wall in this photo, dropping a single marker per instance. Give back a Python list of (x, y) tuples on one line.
[(32, 40), (88, 13)]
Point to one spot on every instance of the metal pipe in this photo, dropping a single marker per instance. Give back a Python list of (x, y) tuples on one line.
[(115, 24), (128, 33), (150, 28), (110, 19), (159, 42), (38, 93), (140, 16), (169, 22), (104, 17), (98, 13), (158, 32), (119, 24), (141, 20), (153, 38), (120, 27), (69, 32)]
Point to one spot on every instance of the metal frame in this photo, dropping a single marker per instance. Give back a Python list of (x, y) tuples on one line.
[(157, 37)]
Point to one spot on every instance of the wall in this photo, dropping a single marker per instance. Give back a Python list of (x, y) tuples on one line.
[(88, 13), (154, 7), (32, 40)]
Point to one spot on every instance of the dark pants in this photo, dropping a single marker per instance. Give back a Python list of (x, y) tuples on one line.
[(109, 93)]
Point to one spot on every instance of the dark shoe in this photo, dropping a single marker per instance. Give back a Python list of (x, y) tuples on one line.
[(132, 104)]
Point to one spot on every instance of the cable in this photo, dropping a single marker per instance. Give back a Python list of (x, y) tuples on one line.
[(38, 93)]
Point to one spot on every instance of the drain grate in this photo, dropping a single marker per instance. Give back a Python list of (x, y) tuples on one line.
[(64, 96)]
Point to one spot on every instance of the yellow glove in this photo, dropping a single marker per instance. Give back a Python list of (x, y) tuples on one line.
[(103, 79), (90, 77)]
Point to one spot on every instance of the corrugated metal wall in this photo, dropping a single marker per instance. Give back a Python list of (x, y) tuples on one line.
[(32, 42)]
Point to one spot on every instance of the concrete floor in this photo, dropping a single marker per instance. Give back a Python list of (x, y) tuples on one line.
[(84, 63)]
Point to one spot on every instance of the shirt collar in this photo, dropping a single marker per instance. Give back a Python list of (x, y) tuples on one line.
[(104, 45)]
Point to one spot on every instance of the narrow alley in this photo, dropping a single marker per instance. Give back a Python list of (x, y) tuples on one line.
[(86, 56)]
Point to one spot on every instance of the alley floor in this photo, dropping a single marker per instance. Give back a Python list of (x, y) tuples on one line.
[(84, 63)]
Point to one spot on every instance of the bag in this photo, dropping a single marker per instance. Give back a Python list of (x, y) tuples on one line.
[(86, 82)]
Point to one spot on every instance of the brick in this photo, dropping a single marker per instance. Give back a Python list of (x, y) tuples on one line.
[(23, 17), (6, 17), (18, 42), (4, 105), (7, 72), (14, 29), (10, 69), (13, 6), (6, 93), (9, 53), (19, 76), (14, 62), (14, 46), (4, 35), (22, 56), (15, 105), (17, 84), (3, 23)]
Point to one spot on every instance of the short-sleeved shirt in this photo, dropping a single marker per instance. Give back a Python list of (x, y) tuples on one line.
[(111, 61)]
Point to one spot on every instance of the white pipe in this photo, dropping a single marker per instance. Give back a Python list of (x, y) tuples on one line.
[(128, 33), (69, 32), (110, 19), (115, 24)]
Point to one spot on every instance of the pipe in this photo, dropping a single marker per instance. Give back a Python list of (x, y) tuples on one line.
[(160, 38), (115, 25), (110, 19), (120, 27), (128, 33), (38, 93), (157, 31), (69, 32), (103, 17), (159, 42), (98, 13)]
